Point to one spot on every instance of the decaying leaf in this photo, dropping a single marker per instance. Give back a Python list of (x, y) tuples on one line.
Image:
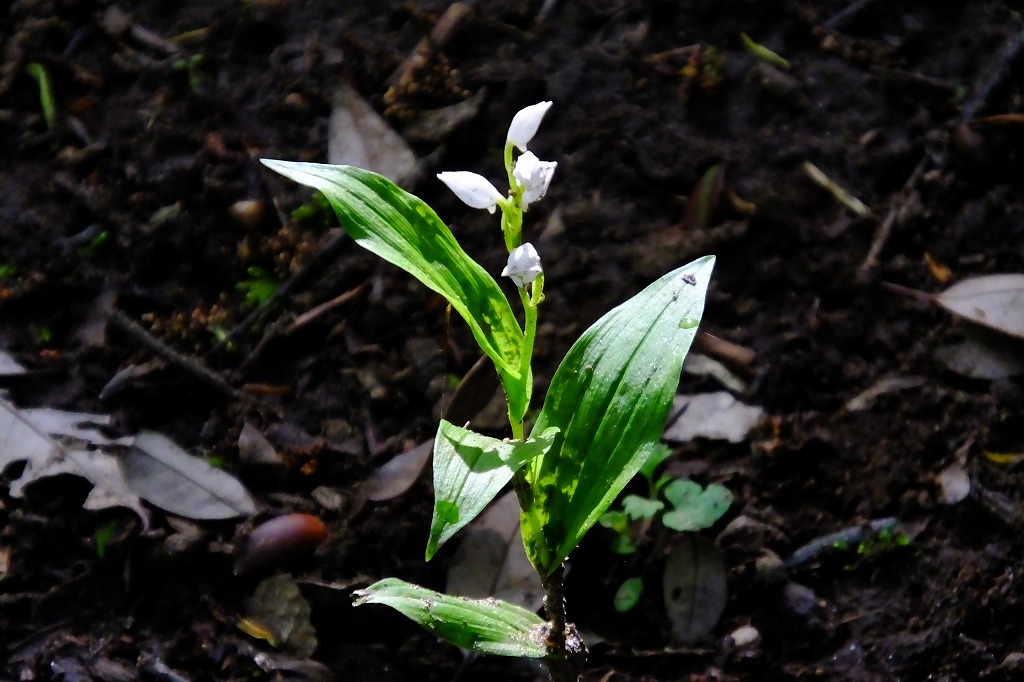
[(163, 474), (717, 416), (254, 448), (491, 561), (397, 475), (9, 366), (994, 301), (280, 614), (954, 484), (694, 588), (359, 137), (53, 442), (984, 354)]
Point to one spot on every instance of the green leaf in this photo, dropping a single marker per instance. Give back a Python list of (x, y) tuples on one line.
[(693, 508), (660, 454), (641, 507), (628, 594), (469, 471), (397, 226), (610, 397), (486, 626)]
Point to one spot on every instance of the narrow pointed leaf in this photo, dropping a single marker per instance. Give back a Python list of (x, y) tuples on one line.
[(469, 471), (610, 397), (486, 626), (397, 226)]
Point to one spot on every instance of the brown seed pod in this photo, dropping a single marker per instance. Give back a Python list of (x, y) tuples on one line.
[(281, 541)]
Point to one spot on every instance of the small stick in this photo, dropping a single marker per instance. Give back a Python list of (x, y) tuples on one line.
[(994, 75), (435, 40), (287, 325), (847, 536), (189, 365), (855, 205), (739, 357), (897, 210), (312, 314), (845, 14)]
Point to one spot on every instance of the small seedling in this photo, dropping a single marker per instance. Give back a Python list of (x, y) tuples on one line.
[(259, 289), (103, 537), (601, 420), (675, 504), (47, 102), (316, 211), (190, 65), (763, 53)]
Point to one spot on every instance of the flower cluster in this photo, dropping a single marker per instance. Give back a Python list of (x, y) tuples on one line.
[(529, 178)]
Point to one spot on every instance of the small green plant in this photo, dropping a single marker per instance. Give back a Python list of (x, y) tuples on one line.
[(47, 102), (259, 289), (873, 545), (190, 65), (103, 537), (601, 420), (675, 504)]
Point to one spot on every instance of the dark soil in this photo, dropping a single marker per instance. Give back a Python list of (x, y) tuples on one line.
[(125, 204)]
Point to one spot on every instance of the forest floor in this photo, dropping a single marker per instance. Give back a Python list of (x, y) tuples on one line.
[(141, 220)]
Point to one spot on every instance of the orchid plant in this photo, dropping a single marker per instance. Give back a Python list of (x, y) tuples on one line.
[(602, 417)]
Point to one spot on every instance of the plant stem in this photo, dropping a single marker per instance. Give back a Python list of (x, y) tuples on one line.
[(566, 649)]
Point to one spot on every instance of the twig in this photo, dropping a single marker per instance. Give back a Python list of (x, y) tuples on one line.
[(435, 40), (847, 536), (288, 324), (994, 75), (189, 365), (737, 356), (845, 14), (897, 210), (310, 315), (855, 205)]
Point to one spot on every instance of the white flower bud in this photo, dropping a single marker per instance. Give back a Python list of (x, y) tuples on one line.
[(475, 190), (523, 265), (533, 176), (525, 123)]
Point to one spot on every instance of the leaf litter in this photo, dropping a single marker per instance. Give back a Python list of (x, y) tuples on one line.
[(52, 442)]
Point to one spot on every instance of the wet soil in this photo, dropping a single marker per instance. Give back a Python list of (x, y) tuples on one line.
[(126, 203)]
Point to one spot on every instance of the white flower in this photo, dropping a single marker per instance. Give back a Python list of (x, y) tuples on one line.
[(533, 176), (475, 190), (525, 123), (523, 265)]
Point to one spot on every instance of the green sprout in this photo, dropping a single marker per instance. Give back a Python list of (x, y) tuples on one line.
[(47, 101), (316, 210), (43, 332), (259, 289), (95, 244), (103, 536), (190, 65), (8, 270), (763, 53), (602, 417), (676, 504)]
